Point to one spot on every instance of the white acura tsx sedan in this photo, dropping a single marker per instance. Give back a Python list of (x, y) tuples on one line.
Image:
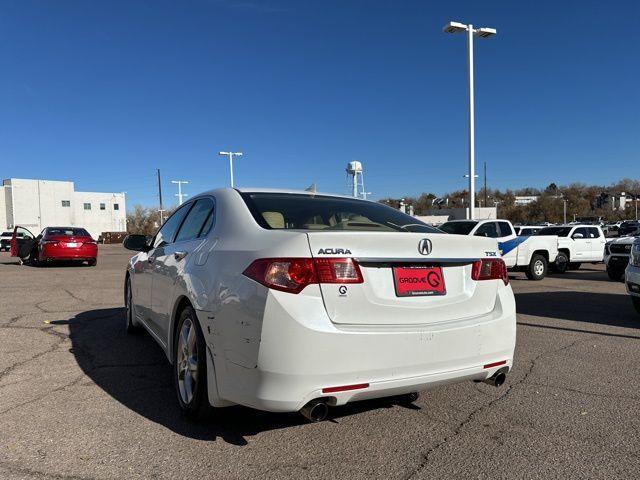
[(296, 301)]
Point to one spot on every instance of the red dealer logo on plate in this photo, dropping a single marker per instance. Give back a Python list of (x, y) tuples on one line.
[(417, 281)]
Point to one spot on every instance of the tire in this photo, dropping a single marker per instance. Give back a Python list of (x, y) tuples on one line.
[(34, 261), (636, 303), (92, 262), (132, 325), (537, 268), (561, 263), (190, 367), (615, 274), (575, 266)]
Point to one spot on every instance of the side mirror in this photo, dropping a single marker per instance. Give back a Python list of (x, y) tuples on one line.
[(137, 243), (577, 235)]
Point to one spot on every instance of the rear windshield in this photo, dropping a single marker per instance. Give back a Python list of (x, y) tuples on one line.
[(68, 232), (277, 211), (559, 231), (458, 228)]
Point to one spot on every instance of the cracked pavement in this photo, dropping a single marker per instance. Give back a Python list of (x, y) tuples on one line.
[(79, 399)]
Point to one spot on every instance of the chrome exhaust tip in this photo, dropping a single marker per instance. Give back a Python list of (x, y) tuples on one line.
[(315, 411)]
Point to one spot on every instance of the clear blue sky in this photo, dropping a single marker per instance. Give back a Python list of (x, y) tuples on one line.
[(103, 93)]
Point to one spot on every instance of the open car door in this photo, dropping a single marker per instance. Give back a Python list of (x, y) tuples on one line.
[(22, 242)]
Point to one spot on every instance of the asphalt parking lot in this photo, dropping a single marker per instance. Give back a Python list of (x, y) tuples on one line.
[(81, 399)]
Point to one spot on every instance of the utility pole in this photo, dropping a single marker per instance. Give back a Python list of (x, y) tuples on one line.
[(485, 184), (160, 196), (564, 208), (180, 194), (231, 155)]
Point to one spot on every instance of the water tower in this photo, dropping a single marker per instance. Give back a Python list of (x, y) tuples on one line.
[(356, 179)]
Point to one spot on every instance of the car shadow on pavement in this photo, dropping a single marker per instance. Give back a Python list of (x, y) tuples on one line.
[(588, 307), (12, 261), (134, 371)]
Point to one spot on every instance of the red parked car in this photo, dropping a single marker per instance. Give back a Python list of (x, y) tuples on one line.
[(53, 244)]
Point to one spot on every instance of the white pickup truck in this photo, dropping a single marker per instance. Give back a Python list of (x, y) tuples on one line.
[(531, 254), (577, 244)]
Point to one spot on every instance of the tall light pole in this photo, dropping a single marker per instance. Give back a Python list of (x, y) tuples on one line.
[(231, 155), (180, 194), (161, 209), (456, 27), (564, 210)]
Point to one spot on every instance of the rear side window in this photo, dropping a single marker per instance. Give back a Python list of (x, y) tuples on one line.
[(488, 229), (505, 229), (458, 228), (276, 211), (168, 231), (198, 218), (594, 233)]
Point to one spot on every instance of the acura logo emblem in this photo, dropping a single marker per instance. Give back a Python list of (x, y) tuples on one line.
[(425, 246)]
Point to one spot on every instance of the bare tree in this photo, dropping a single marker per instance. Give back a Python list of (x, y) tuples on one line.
[(144, 220)]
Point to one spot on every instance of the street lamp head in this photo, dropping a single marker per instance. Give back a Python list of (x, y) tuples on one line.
[(454, 27), (485, 32), (223, 153), (237, 154)]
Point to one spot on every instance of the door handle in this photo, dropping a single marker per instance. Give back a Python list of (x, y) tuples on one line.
[(179, 255)]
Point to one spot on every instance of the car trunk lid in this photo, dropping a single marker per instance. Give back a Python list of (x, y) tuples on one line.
[(70, 241), (387, 259)]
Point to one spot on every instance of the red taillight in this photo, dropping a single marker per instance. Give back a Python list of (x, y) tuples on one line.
[(293, 274), (490, 269), (285, 274), (338, 270)]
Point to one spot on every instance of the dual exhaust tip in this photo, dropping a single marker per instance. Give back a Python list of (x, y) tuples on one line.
[(317, 409)]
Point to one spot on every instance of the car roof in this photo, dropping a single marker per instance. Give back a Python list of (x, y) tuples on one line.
[(277, 190)]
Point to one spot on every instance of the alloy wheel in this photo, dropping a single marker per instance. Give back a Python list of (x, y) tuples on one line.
[(187, 361)]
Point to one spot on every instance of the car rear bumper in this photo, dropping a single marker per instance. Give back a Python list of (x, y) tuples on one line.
[(54, 252), (299, 358)]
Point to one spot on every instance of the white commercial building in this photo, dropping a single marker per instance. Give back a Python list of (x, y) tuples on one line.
[(525, 199), (36, 204)]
